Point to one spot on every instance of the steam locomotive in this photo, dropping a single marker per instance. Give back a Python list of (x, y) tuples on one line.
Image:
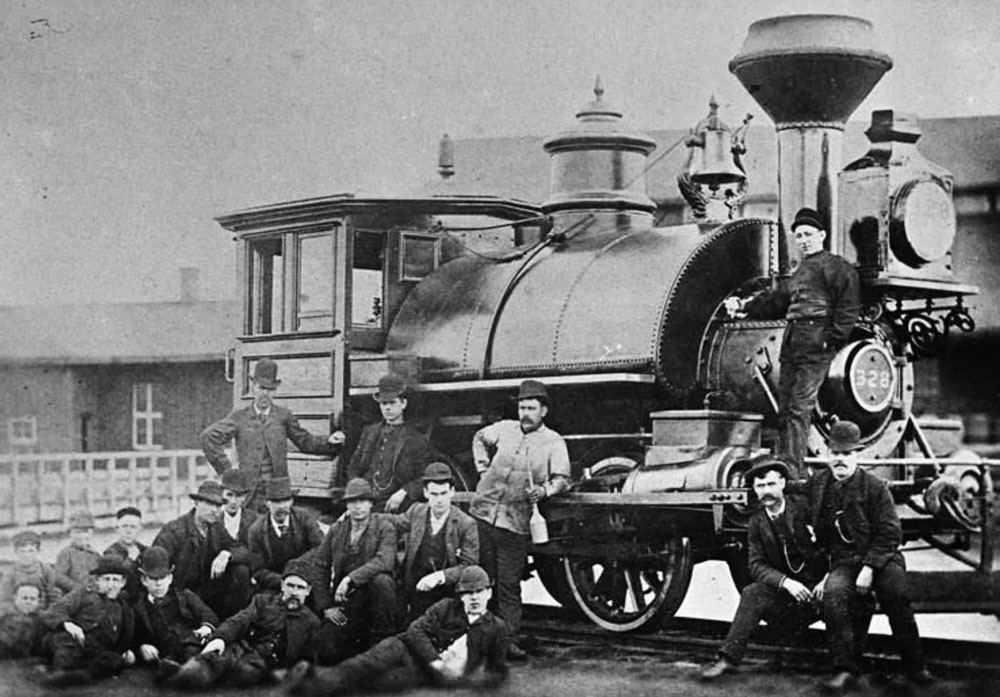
[(663, 398)]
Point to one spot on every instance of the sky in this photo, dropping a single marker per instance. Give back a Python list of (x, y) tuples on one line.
[(128, 125)]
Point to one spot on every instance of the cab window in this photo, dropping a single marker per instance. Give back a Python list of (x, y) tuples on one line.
[(314, 309), (266, 274), (367, 280)]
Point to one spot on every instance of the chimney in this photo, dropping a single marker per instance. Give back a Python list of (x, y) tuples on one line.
[(189, 284)]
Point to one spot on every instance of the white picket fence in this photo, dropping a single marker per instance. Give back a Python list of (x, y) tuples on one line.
[(48, 488)]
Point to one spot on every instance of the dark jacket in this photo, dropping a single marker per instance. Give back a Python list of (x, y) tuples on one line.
[(869, 519), (410, 457), (133, 583), (446, 621), (89, 610), (188, 551), (265, 561), (378, 544), (193, 610), (768, 561), (219, 539), (261, 623), (461, 541), (254, 438)]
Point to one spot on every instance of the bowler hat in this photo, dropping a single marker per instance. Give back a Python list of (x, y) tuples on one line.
[(533, 389), (438, 472), (110, 564), (763, 465), (358, 488), (83, 519), (210, 491), (265, 373), (845, 436), (389, 388), (278, 489), (473, 578), (297, 567), (236, 481), (27, 537), (807, 216), (155, 562)]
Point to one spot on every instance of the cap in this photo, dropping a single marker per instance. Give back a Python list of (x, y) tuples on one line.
[(298, 567), (807, 216), (210, 491), (358, 488), (236, 481), (532, 389), (438, 472), (389, 388), (128, 510), (265, 373), (473, 578), (762, 466), (83, 519), (27, 537), (845, 436), (109, 564), (155, 562), (278, 489)]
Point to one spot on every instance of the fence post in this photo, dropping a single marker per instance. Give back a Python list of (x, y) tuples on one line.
[(15, 490), (66, 466), (173, 484)]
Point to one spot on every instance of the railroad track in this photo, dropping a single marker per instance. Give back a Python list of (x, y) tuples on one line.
[(697, 640)]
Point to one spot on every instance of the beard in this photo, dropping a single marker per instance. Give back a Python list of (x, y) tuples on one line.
[(293, 603)]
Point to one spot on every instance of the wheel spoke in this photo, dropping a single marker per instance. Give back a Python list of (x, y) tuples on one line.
[(634, 580)]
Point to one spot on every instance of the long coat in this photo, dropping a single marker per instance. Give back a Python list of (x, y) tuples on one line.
[(266, 563), (768, 561), (461, 541), (410, 457), (88, 610), (378, 544), (263, 621), (188, 551), (254, 439)]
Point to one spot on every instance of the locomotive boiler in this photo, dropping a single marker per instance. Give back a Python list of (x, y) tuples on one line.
[(663, 398)]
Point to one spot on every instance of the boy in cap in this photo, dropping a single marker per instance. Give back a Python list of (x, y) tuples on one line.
[(457, 642), (785, 564), (441, 540), (20, 624), (75, 561), (285, 533), (261, 432), (858, 527), (128, 548), (822, 302), (28, 569), (91, 629), (230, 584), (391, 454), (171, 625), (355, 589), (274, 631), (186, 538)]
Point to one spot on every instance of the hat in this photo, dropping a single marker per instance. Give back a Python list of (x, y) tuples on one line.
[(532, 389), (155, 562), (128, 510), (236, 481), (845, 436), (763, 465), (278, 489), (438, 472), (807, 216), (265, 373), (389, 388), (27, 537), (110, 564), (209, 491), (358, 488), (473, 578), (83, 519), (298, 567)]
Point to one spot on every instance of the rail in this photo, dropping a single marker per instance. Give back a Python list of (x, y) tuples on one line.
[(38, 489)]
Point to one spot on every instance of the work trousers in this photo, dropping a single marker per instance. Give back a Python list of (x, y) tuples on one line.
[(372, 615), (229, 593), (240, 664), (503, 555), (798, 387), (759, 602), (67, 654), (847, 615), (387, 666)]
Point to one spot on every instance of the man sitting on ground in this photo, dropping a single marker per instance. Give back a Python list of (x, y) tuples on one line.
[(20, 624)]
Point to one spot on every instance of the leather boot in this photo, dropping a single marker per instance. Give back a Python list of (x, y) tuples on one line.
[(717, 669)]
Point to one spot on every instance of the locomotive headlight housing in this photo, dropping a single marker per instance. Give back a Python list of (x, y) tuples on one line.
[(922, 223)]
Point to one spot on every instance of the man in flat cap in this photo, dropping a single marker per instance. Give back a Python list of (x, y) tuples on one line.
[(354, 585), (75, 561), (457, 642), (128, 548), (261, 431), (857, 525), (274, 631), (186, 538), (172, 625), (90, 629), (785, 563), (529, 463), (440, 539), (283, 534), (391, 454), (231, 572), (821, 301)]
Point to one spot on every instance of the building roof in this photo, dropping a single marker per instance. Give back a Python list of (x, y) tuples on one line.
[(518, 167), (168, 332)]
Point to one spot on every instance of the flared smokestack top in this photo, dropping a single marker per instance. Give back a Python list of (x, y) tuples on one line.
[(810, 68)]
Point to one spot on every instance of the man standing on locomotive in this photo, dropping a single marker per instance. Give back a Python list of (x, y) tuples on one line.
[(261, 431), (785, 562), (529, 463), (821, 301)]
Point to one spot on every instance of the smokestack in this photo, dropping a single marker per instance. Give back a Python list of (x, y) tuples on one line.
[(809, 73), (189, 284)]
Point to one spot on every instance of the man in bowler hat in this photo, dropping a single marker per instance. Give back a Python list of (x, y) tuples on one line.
[(186, 539), (520, 463), (391, 454), (261, 431), (231, 586), (821, 302), (281, 535)]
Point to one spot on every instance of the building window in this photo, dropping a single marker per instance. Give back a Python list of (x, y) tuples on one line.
[(22, 434), (147, 422)]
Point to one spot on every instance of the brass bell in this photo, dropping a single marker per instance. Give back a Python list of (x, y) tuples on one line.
[(717, 165)]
